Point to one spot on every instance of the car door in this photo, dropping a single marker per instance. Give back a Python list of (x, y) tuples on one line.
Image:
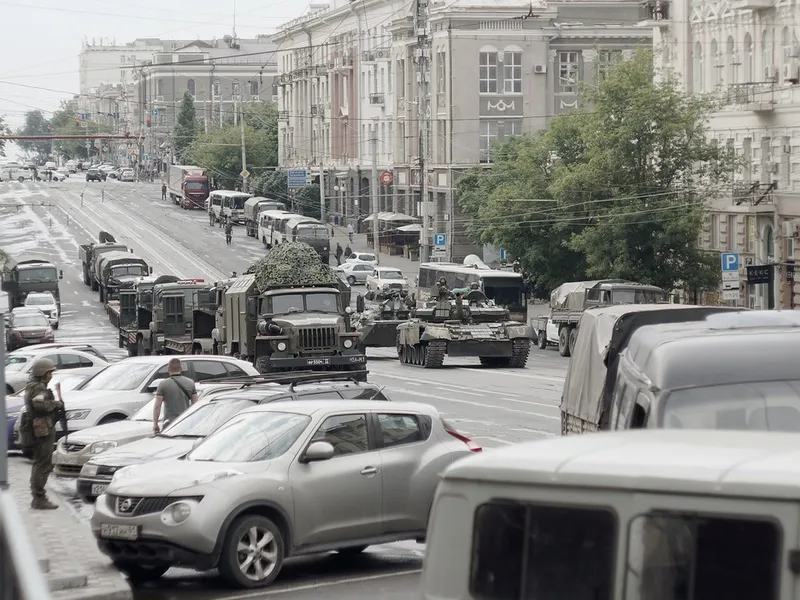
[(410, 470), (339, 499), (361, 272)]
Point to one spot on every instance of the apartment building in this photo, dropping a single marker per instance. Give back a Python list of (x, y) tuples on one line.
[(497, 68), (746, 54)]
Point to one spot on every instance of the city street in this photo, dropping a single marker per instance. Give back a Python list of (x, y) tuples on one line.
[(495, 407)]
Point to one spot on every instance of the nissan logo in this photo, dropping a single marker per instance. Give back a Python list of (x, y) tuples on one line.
[(125, 505)]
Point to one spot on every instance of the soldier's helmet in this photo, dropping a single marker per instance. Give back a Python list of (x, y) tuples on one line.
[(42, 367), (442, 281), (474, 285)]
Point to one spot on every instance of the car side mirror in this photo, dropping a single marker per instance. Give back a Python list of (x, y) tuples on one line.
[(252, 307), (153, 385), (61, 274), (317, 451)]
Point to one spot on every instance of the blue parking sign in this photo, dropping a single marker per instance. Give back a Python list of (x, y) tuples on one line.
[(440, 239), (729, 261)]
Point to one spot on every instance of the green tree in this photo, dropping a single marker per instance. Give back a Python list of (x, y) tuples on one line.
[(35, 124), (186, 129), (306, 201), (4, 130), (272, 184), (617, 188)]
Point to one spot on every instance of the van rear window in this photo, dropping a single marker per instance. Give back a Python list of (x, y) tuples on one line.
[(533, 552)]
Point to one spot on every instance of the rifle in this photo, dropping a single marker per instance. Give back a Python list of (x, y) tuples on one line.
[(61, 413)]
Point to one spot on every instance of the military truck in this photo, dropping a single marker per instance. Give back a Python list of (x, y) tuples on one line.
[(377, 325), (253, 207), (135, 308), (118, 269), (304, 328), (569, 300), (21, 277), (89, 255), (234, 333), (463, 325), (172, 326)]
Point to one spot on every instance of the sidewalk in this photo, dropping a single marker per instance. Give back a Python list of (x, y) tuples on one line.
[(410, 268), (65, 548)]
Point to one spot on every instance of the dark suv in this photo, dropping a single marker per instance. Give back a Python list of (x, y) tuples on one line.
[(95, 175)]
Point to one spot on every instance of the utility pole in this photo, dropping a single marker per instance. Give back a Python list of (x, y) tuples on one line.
[(374, 189), (423, 114), (244, 151), (322, 193)]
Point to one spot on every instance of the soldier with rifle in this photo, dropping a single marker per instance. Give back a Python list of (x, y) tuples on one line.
[(38, 429)]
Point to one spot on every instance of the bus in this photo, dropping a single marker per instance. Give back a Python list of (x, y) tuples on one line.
[(228, 204), (270, 226), (505, 288)]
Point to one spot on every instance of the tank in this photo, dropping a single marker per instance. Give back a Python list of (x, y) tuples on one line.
[(377, 325), (462, 323)]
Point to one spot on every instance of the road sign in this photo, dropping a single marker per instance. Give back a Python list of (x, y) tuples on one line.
[(730, 276), (297, 178), (154, 112), (83, 116), (729, 261), (730, 294), (386, 178), (440, 240), (502, 254), (245, 173), (439, 252)]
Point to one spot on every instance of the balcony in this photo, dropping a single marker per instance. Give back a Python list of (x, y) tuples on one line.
[(754, 96), (754, 5), (376, 99), (368, 56), (655, 13), (753, 193)]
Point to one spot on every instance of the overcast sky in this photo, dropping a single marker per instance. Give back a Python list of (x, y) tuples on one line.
[(42, 49)]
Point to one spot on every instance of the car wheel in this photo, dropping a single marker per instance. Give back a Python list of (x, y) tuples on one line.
[(541, 340), (112, 419), (351, 280), (138, 573), (252, 555)]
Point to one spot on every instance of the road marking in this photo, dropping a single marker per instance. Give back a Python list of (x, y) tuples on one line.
[(75, 292), (314, 586), (531, 402), (513, 374), (493, 439), (454, 388)]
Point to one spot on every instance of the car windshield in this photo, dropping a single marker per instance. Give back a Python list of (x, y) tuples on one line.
[(365, 257), (760, 406), (631, 296), (306, 231), (40, 275), (390, 275), (129, 270), (326, 303), (237, 202), (287, 303), (205, 418), (39, 300), (30, 321), (120, 376), (16, 362), (252, 437), (195, 186)]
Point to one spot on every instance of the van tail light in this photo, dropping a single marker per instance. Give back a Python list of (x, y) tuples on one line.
[(473, 447)]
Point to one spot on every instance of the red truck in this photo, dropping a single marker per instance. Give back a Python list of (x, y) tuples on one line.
[(188, 186)]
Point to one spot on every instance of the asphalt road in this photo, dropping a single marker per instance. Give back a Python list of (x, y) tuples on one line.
[(495, 407)]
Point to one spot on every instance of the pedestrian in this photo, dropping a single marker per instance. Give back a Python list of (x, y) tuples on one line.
[(333, 231), (350, 232), (347, 252), (175, 394), (210, 218), (38, 429), (338, 254), (163, 191), (228, 232)]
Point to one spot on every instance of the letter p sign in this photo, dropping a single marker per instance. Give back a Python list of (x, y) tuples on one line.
[(730, 261)]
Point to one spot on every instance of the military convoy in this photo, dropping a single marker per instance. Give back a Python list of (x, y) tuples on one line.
[(133, 313), (21, 277), (183, 317), (377, 325), (108, 266), (463, 323), (253, 208)]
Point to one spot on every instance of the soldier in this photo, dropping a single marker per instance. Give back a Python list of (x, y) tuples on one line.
[(163, 191), (228, 231), (338, 254), (39, 429)]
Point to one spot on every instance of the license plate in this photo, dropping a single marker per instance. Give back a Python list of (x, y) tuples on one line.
[(312, 362), (358, 359), (120, 532), (66, 460), (98, 489)]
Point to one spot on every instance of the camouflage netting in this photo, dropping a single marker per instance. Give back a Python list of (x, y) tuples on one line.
[(291, 264)]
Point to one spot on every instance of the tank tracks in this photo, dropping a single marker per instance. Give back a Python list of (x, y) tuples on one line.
[(428, 356), (520, 349)]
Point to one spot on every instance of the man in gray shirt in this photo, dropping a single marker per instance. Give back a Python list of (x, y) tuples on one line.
[(176, 394)]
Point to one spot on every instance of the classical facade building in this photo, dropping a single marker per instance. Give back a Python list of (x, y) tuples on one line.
[(746, 54), (497, 68)]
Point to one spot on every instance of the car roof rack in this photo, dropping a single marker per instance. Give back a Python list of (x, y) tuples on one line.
[(291, 377)]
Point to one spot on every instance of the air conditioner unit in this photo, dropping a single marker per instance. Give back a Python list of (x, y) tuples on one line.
[(795, 51), (770, 73), (540, 69), (791, 72)]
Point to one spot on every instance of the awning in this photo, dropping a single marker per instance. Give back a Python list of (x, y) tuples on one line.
[(389, 217), (414, 227)]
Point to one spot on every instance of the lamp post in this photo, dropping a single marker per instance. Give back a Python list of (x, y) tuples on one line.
[(343, 199)]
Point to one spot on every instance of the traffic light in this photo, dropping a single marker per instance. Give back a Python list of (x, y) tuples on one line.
[(149, 122)]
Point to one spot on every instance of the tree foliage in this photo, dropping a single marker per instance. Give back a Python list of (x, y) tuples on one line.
[(65, 122), (186, 129), (615, 189), (306, 201), (35, 124)]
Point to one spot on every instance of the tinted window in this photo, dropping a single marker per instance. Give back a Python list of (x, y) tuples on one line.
[(234, 371), (346, 433), (207, 369), (31, 320), (85, 362), (202, 419), (529, 552), (121, 376), (674, 556), (69, 361), (398, 430), (362, 394)]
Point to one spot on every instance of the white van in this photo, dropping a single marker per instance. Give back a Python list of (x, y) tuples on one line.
[(635, 515), (20, 174)]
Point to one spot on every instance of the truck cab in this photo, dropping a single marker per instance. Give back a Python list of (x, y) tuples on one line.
[(135, 335), (173, 315), (32, 275)]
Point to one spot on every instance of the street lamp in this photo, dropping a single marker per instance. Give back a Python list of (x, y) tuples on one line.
[(342, 201)]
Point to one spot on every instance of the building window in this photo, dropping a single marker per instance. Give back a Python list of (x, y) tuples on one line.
[(511, 128), (605, 60), (786, 44), (766, 50), (389, 76), (714, 243), (748, 58), (567, 71), (159, 88), (235, 88), (749, 234), (123, 58), (488, 135), (512, 73), (731, 60), (697, 59), (190, 87), (254, 88), (732, 232), (488, 72), (716, 67), (216, 89)]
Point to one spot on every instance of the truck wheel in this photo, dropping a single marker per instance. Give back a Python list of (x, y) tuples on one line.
[(94, 285), (563, 341), (541, 340), (573, 338), (262, 364)]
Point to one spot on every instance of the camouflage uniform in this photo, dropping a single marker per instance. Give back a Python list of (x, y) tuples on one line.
[(42, 408)]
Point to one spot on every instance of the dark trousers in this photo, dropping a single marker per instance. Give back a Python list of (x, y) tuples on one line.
[(42, 464), (228, 239)]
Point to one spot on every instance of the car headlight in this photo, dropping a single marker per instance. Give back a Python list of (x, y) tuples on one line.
[(348, 344), (89, 470), (77, 415), (212, 477), (99, 447), (176, 513), (54, 314), (281, 346), (122, 473)]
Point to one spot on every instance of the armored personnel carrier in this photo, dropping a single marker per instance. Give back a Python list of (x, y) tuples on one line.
[(378, 324), (462, 324)]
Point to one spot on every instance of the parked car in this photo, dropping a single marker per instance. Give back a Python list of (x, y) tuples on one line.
[(88, 348), (280, 480), (355, 273), (386, 278), (45, 302), (363, 257), (60, 174), (127, 175), (19, 364), (113, 173), (94, 174), (27, 327), (20, 174), (107, 457), (50, 166), (72, 166)]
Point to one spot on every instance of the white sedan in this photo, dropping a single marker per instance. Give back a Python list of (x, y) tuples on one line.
[(364, 258), (386, 278), (355, 273), (46, 303), (19, 364)]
